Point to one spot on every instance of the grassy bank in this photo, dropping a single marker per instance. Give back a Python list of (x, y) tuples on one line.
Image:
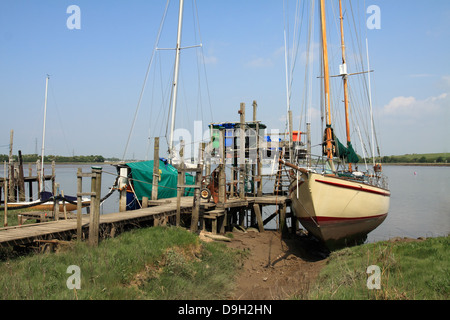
[(409, 269), (152, 263)]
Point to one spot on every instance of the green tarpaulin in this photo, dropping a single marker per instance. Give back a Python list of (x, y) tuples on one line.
[(142, 174)]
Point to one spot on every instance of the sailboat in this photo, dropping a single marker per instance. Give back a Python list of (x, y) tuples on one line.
[(338, 207), (46, 202)]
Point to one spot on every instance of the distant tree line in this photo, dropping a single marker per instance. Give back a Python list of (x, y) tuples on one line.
[(416, 159), (50, 158)]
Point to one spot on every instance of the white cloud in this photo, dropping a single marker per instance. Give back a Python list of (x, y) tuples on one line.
[(410, 107)]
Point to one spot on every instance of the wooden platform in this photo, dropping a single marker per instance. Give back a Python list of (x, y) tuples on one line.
[(159, 210)]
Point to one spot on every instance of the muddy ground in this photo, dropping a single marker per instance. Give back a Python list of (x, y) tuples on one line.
[(276, 269)]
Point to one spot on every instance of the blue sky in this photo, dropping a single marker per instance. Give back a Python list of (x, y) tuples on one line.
[(97, 71)]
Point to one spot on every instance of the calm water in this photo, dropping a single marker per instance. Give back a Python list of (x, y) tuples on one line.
[(420, 203), (420, 200)]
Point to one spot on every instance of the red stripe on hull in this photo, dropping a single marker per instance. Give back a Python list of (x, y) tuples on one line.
[(359, 188)]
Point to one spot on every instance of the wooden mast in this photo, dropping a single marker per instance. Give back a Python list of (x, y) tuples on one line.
[(345, 80), (329, 135)]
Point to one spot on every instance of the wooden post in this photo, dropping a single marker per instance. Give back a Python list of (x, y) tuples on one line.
[(21, 182), (38, 176), (55, 202), (11, 169), (144, 202), (242, 152), (123, 181), (5, 190), (30, 183), (283, 226), (79, 205), (94, 219), (290, 137), (257, 209), (222, 177), (180, 181), (198, 184), (155, 170), (64, 205)]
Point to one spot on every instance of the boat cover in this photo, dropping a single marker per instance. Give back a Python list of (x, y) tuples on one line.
[(142, 175)]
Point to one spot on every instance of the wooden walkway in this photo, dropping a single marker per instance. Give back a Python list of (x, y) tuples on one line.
[(158, 211)]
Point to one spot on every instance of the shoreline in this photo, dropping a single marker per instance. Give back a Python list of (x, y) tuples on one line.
[(414, 164)]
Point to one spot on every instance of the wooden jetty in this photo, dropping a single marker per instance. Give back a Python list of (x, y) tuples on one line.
[(229, 204), (159, 213)]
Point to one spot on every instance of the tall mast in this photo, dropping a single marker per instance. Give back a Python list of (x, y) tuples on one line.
[(345, 79), (175, 78), (329, 136), (43, 136)]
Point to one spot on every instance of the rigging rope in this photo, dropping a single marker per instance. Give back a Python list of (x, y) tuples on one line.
[(146, 77)]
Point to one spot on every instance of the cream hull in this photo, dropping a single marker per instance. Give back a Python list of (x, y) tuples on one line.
[(337, 210)]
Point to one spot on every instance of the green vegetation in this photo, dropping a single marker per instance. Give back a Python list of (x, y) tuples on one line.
[(413, 269), (418, 158), (152, 263), (50, 158)]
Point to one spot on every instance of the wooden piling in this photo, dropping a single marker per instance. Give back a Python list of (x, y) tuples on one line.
[(94, 219), (155, 170), (79, 204), (242, 151), (21, 182)]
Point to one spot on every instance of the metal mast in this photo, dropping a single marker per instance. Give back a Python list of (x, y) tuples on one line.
[(175, 77)]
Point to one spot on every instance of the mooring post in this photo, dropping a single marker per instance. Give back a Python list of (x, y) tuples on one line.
[(242, 151), (123, 182), (94, 219), (180, 181), (5, 191), (79, 204), (21, 182), (198, 184), (222, 177), (155, 170)]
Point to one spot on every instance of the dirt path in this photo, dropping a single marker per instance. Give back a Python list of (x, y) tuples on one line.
[(276, 269)]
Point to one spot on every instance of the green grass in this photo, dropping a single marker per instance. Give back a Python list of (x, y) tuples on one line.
[(417, 270), (152, 263)]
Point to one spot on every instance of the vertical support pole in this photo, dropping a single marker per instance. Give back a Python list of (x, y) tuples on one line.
[(56, 201), (123, 181), (64, 205), (181, 181), (94, 219), (11, 168), (21, 182), (198, 184), (291, 144), (30, 183), (79, 204), (222, 177), (5, 190), (144, 202), (257, 209), (38, 176), (155, 170), (242, 152), (283, 226)]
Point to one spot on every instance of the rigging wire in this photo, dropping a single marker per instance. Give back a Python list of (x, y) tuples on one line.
[(146, 77)]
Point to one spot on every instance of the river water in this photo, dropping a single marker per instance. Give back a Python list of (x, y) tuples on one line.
[(420, 198)]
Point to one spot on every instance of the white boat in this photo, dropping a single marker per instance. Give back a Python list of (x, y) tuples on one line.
[(339, 207)]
